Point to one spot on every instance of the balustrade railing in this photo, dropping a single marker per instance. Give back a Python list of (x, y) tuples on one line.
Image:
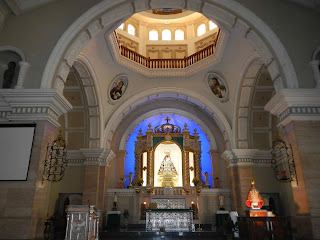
[(174, 63)]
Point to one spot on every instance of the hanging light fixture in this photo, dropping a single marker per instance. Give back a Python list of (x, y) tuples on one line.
[(282, 161), (56, 160)]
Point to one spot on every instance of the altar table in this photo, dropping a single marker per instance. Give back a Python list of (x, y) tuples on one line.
[(180, 220)]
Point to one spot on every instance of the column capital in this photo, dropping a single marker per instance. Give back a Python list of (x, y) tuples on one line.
[(295, 105), (33, 105), (247, 157), (97, 156)]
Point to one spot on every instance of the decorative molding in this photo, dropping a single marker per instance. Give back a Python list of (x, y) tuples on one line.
[(295, 105), (97, 156), (247, 157), (75, 158), (32, 105)]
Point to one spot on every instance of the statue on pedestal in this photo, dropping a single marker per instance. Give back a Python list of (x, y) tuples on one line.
[(254, 199), (216, 182), (121, 184), (8, 75), (221, 205), (206, 175), (130, 179), (167, 171), (115, 200)]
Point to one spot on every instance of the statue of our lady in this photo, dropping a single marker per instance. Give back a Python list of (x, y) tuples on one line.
[(167, 171), (166, 166)]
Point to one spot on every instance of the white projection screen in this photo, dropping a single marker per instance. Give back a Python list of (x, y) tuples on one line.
[(15, 151)]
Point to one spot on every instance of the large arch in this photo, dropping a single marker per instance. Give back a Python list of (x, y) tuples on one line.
[(186, 114), (92, 92), (241, 113), (229, 15), (156, 94)]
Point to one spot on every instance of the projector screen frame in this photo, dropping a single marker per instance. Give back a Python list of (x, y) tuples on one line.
[(20, 125)]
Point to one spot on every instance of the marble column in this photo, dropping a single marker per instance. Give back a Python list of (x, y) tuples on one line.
[(91, 175), (24, 67), (299, 114)]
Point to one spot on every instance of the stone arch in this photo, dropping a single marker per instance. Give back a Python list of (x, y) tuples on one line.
[(91, 90), (8, 54), (13, 49), (246, 93), (228, 15), (202, 125), (156, 94), (248, 76)]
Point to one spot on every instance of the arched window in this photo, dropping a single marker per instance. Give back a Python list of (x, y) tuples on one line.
[(201, 29), (121, 26), (166, 34), (179, 35), (212, 25), (131, 30), (153, 35)]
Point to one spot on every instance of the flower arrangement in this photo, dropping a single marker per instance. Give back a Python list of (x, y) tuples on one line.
[(195, 181), (140, 181)]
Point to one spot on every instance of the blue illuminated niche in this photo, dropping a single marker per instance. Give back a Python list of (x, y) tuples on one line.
[(176, 120)]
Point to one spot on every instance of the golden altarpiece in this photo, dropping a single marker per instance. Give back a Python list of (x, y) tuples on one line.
[(162, 192), (167, 156)]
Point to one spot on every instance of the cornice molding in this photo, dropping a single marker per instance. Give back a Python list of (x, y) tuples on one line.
[(295, 105), (247, 157), (32, 105), (97, 156)]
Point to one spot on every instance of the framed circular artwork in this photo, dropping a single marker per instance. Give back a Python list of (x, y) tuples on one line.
[(118, 87), (218, 86)]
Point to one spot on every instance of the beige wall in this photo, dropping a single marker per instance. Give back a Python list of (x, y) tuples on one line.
[(72, 182)]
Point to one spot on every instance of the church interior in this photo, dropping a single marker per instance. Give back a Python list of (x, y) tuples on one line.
[(195, 119)]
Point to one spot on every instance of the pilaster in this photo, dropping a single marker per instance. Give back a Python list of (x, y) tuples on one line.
[(23, 203), (299, 114), (95, 161), (241, 164), (215, 158)]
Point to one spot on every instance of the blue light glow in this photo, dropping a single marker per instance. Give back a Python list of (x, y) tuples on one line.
[(176, 120)]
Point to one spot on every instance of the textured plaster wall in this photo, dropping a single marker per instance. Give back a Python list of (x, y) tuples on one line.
[(296, 27), (72, 182), (36, 32)]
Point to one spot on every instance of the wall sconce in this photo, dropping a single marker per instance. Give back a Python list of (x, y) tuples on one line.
[(282, 161), (56, 160)]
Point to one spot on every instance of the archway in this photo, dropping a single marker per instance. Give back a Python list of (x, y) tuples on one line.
[(230, 16), (176, 119)]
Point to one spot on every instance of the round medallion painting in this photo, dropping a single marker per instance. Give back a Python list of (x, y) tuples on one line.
[(118, 87), (218, 86)]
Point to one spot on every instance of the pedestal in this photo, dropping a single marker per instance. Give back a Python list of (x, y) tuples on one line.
[(82, 222), (113, 220), (221, 218), (257, 213)]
